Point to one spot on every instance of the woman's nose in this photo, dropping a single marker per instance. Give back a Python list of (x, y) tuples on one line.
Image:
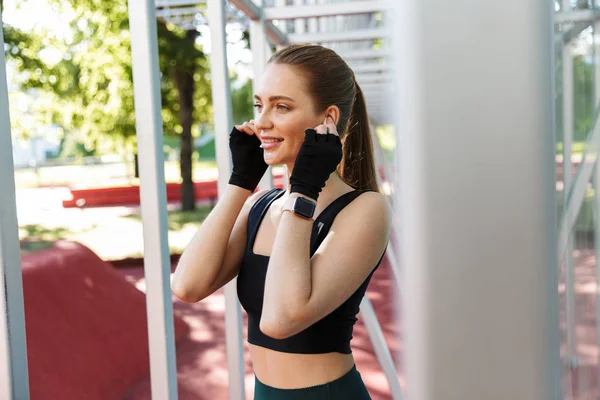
[(263, 121)]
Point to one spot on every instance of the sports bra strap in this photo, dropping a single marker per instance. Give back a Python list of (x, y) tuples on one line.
[(257, 213), (321, 225), (325, 219)]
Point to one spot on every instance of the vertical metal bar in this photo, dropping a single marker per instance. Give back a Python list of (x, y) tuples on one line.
[(223, 121), (381, 350), (597, 253), (479, 233), (282, 24), (259, 45), (299, 23), (322, 20), (596, 49), (313, 23), (157, 265), (568, 125), (380, 162), (390, 253), (14, 379)]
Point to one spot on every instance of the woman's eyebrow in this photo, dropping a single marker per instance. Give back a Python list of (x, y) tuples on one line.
[(275, 98)]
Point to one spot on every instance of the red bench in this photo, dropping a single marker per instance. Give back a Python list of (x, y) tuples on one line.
[(119, 195)]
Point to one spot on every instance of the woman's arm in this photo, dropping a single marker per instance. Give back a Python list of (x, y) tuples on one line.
[(213, 256), (299, 290)]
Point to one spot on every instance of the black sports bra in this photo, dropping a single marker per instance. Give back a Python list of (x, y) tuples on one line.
[(330, 334)]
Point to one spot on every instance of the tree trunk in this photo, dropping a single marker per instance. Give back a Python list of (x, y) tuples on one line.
[(184, 79)]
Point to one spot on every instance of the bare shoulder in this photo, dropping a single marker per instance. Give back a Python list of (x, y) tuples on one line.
[(257, 195), (369, 205), (369, 213), (252, 199)]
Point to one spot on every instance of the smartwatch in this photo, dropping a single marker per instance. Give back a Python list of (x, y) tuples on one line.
[(301, 206)]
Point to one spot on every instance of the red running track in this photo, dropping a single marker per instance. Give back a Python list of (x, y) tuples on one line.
[(87, 336)]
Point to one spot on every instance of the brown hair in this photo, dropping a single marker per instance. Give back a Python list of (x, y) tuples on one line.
[(332, 82)]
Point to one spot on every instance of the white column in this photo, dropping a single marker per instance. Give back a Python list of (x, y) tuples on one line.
[(282, 25), (596, 42), (323, 21), (14, 379), (477, 201), (313, 23), (567, 128), (597, 254), (299, 23), (221, 94), (380, 346), (260, 55), (157, 263)]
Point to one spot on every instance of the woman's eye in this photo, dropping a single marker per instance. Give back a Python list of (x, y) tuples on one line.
[(282, 107), (257, 105)]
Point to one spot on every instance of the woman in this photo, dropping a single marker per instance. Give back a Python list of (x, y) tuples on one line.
[(301, 271)]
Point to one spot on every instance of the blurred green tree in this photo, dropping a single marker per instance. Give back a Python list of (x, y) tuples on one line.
[(241, 103), (88, 73)]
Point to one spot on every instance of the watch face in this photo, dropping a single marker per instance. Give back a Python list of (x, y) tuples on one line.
[(305, 208)]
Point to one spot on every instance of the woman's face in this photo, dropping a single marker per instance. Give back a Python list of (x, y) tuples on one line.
[(284, 111)]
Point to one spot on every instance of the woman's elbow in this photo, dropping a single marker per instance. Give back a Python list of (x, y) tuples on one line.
[(279, 328), (184, 293), (273, 330)]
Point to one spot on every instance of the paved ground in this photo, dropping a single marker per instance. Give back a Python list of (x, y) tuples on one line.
[(108, 231), (201, 361), (581, 382), (201, 357)]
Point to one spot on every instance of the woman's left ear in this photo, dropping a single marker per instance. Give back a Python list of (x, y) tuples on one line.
[(333, 112)]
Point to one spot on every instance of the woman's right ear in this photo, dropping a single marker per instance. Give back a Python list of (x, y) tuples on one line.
[(333, 113)]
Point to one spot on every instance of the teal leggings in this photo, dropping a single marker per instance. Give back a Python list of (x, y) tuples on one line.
[(348, 387)]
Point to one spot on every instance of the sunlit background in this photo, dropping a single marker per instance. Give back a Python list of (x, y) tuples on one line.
[(73, 129), (73, 132)]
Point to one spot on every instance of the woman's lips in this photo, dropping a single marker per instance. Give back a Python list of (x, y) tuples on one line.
[(270, 144)]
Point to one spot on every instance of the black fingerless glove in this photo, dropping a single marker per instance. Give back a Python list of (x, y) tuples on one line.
[(318, 158), (248, 160)]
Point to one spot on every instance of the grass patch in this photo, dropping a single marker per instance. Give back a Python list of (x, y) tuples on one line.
[(37, 232), (585, 218), (178, 219), (576, 147), (31, 246), (113, 233), (100, 175)]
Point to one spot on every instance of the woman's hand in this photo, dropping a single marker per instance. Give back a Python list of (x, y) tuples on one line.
[(319, 156), (248, 160)]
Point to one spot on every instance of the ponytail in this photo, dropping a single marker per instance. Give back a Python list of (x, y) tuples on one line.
[(357, 168), (332, 82)]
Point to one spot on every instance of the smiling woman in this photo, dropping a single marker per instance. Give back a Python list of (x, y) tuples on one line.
[(290, 248)]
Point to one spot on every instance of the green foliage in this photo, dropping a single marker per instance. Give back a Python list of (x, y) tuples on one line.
[(178, 219), (178, 52), (242, 103), (89, 74), (583, 97)]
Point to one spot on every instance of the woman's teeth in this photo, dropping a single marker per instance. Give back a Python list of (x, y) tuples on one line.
[(268, 144)]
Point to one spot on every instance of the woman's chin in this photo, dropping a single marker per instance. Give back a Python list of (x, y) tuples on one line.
[(271, 160)]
